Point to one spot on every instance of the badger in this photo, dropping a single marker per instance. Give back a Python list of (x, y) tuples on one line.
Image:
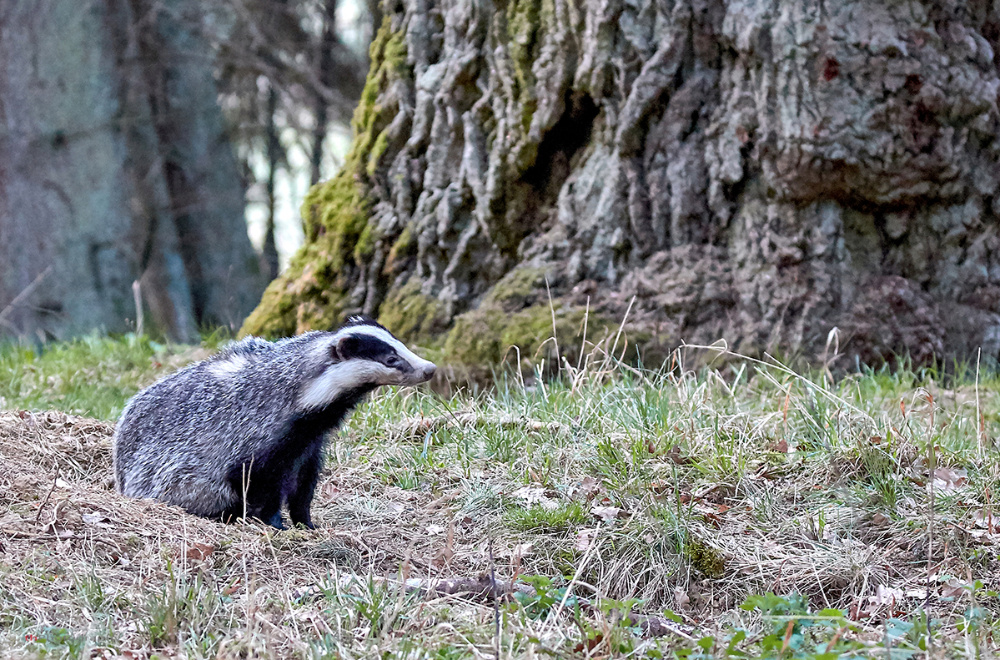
[(242, 433)]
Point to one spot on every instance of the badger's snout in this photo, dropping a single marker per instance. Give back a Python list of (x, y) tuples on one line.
[(421, 372), (428, 372)]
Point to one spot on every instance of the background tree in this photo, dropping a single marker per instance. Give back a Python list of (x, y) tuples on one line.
[(116, 169), (759, 172), (285, 76), (119, 159)]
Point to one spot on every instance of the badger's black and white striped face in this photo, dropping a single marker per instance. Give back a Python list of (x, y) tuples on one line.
[(363, 354)]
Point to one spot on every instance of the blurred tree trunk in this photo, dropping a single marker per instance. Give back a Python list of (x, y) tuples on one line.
[(764, 173), (273, 161), (115, 168), (326, 74)]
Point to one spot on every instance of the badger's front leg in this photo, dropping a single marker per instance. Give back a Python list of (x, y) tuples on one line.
[(304, 487), (260, 484)]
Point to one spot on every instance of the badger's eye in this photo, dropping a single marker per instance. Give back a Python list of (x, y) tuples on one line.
[(393, 361)]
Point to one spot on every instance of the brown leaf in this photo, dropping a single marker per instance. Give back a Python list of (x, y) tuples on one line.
[(231, 589), (660, 487), (781, 446), (608, 513), (590, 644), (953, 588), (589, 487), (199, 551), (674, 454)]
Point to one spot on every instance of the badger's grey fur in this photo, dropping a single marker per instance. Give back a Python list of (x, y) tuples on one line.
[(253, 419)]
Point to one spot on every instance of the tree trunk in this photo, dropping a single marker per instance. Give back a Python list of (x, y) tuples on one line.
[(206, 192), (89, 189), (326, 74), (758, 172), (273, 160)]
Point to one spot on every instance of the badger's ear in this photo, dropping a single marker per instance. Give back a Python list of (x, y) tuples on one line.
[(345, 348)]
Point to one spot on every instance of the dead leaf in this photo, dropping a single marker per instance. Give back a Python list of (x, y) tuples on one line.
[(781, 446), (535, 495), (659, 487), (981, 518), (331, 492), (522, 550), (953, 588), (584, 538), (949, 480), (887, 598), (589, 487), (712, 518), (682, 601), (608, 513), (199, 551), (589, 644), (232, 588), (674, 454), (98, 519)]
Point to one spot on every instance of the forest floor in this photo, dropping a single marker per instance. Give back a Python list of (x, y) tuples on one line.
[(739, 511)]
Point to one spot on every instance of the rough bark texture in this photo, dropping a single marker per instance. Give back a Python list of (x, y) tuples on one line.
[(114, 168), (756, 171)]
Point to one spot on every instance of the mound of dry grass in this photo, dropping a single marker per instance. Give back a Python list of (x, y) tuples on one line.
[(687, 491)]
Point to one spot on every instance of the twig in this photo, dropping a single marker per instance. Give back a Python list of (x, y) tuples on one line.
[(24, 293), (137, 299), (552, 310), (496, 604), (41, 506), (980, 426), (930, 545)]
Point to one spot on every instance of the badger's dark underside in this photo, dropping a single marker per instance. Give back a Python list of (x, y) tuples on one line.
[(287, 473)]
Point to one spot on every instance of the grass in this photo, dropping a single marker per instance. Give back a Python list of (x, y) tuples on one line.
[(775, 514)]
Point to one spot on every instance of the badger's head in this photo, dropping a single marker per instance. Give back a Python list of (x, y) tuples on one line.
[(361, 356)]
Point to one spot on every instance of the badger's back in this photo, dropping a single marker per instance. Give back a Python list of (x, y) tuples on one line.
[(177, 440)]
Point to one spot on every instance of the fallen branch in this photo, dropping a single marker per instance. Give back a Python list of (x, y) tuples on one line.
[(24, 294)]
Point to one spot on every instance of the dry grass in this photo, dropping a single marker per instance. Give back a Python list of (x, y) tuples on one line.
[(688, 491)]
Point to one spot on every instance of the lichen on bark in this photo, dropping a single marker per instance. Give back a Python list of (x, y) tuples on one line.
[(762, 173)]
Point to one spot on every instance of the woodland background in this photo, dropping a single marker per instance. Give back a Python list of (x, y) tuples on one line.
[(139, 139), (803, 178), (794, 176)]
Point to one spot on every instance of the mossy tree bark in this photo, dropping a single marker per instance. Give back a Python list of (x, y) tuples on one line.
[(762, 172), (116, 168)]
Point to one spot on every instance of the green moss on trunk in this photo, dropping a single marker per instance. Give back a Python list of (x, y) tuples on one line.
[(412, 316), (486, 336)]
